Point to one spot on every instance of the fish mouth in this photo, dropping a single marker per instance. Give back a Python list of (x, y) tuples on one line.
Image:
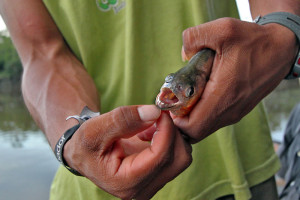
[(166, 99)]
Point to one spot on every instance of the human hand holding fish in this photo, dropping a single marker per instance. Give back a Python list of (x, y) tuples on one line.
[(250, 61), (108, 151)]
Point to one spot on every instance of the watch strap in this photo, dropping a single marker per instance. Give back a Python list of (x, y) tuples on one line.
[(85, 115), (59, 148), (290, 21)]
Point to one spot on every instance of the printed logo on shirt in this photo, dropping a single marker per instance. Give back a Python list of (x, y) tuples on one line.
[(107, 5)]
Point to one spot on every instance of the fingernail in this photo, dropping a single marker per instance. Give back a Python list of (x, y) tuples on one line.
[(149, 112), (153, 138)]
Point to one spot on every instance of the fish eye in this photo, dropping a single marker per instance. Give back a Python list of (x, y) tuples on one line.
[(169, 78), (189, 92)]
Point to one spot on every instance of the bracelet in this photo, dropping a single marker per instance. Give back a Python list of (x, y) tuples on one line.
[(59, 148), (86, 114), (291, 22)]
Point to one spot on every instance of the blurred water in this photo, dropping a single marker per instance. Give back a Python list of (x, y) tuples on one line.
[(27, 164), (279, 105)]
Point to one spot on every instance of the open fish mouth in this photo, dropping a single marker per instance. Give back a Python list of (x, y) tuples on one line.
[(166, 99)]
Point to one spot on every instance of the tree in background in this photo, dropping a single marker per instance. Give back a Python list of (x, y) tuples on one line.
[(10, 64)]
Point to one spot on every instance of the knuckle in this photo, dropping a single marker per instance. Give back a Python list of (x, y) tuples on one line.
[(186, 157), (127, 191), (188, 37), (123, 118), (126, 194), (228, 27), (186, 33), (234, 119), (120, 116), (188, 160)]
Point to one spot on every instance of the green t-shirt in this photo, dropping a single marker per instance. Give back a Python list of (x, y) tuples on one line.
[(128, 47)]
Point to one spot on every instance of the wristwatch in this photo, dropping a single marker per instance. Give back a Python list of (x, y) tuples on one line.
[(290, 21)]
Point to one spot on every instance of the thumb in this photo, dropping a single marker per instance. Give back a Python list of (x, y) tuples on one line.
[(122, 122)]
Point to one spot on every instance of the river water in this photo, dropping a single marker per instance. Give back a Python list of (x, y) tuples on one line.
[(27, 164)]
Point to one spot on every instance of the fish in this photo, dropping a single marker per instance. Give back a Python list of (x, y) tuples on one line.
[(182, 89)]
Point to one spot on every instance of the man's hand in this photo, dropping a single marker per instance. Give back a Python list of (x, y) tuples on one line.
[(108, 150), (250, 62)]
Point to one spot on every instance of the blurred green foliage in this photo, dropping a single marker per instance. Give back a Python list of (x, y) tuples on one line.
[(10, 64)]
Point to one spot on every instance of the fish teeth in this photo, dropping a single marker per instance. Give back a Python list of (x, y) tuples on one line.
[(163, 105), (160, 103)]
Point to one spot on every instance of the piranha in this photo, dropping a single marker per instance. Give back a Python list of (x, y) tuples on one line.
[(182, 89)]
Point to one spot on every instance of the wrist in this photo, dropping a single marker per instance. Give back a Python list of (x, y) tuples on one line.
[(62, 146), (265, 7), (285, 40), (69, 151), (54, 133), (286, 25)]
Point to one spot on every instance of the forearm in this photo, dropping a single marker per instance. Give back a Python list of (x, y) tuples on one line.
[(263, 7), (55, 84), (54, 89)]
